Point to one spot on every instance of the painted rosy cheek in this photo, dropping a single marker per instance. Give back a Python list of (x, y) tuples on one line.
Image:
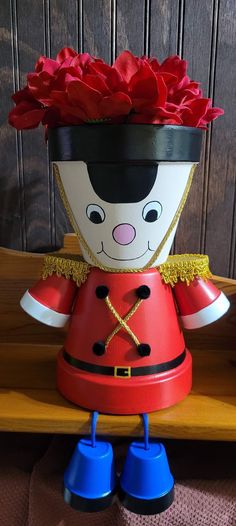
[(124, 234)]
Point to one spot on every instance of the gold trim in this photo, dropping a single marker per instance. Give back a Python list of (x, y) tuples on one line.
[(125, 319), (185, 267), (85, 244), (69, 268), (122, 321)]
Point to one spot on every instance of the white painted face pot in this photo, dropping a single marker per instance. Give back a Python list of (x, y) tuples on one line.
[(124, 188)]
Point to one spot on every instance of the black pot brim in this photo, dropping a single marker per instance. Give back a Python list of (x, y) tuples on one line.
[(150, 143)]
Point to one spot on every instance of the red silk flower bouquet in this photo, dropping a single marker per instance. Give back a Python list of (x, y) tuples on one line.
[(78, 88)]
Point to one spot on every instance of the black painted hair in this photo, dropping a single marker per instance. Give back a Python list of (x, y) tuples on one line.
[(122, 183)]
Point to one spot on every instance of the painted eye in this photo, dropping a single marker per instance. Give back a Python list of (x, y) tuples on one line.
[(152, 211), (95, 213)]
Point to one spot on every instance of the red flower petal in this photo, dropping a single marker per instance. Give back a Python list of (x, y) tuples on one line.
[(168, 78), (50, 66), (96, 82), (155, 65), (40, 63), (162, 91), (64, 76), (143, 84), (64, 53), (156, 92), (85, 97), (39, 86), (175, 65), (174, 117), (111, 76), (52, 118), (59, 97), (82, 60), (66, 63), (25, 116), (198, 109), (23, 95), (115, 105), (186, 94), (127, 65), (66, 108), (73, 113), (211, 115)]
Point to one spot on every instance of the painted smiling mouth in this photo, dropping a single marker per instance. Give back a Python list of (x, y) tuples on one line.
[(102, 251)]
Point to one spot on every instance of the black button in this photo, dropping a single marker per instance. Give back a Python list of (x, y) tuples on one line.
[(144, 349), (102, 292), (99, 348), (143, 292)]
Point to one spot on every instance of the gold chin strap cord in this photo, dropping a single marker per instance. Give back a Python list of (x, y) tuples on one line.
[(83, 242)]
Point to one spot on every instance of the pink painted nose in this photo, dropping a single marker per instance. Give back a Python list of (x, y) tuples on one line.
[(124, 234)]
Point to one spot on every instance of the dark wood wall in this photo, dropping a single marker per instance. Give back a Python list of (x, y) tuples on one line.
[(202, 31)]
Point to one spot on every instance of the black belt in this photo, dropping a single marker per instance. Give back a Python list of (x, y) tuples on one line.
[(124, 372)]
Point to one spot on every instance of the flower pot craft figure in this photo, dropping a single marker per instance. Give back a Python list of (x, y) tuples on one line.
[(124, 142)]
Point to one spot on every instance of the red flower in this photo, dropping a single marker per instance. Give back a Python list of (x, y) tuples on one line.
[(77, 87), (175, 66), (198, 113), (145, 88), (26, 115)]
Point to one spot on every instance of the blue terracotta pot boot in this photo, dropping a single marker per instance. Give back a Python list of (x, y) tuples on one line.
[(146, 483), (90, 479)]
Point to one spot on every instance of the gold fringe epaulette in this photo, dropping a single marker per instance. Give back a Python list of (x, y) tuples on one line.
[(71, 268), (185, 267)]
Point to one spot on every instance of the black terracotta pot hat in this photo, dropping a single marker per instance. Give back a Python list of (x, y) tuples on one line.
[(146, 143)]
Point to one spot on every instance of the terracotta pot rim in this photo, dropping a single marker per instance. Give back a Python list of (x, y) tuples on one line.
[(114, 143)]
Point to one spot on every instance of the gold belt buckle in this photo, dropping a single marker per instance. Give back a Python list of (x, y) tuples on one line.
[(122, 372)]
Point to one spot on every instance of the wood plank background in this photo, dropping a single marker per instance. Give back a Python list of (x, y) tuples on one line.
[(204, 32)]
